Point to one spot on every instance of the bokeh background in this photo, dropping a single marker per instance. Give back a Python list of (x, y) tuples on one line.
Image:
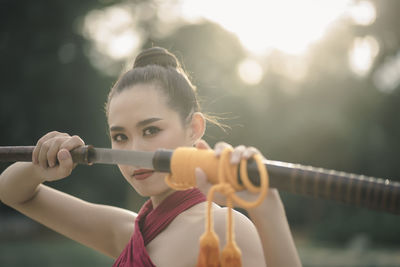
[(310, 82)]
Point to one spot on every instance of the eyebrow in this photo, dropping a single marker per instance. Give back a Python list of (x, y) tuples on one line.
[(138, 125)]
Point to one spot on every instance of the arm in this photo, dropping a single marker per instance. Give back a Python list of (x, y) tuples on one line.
[(106, 229), (273, 228), (269, 218)]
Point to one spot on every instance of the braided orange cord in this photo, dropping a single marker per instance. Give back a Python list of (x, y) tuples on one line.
[(223, 175), (209, 241)]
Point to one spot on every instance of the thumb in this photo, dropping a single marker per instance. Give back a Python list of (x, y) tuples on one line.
[(65, 160)]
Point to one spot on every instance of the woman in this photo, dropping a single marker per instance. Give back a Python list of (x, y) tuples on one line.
[(151, 106)]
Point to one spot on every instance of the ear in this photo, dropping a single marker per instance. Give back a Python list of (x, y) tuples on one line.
[(197, 127)]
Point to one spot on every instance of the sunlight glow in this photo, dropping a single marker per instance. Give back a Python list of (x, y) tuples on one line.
[(113, 30), (387, 76), (291, 67), (363, 13), (250, 71), (362, 54), (288, 26), (264, 27)]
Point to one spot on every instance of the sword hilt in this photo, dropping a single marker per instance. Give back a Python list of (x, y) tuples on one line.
[(80, 155)]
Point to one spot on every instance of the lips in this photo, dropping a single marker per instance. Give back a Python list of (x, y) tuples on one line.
[(142, 174)]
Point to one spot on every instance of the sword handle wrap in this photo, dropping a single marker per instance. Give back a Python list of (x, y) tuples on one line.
[(183, 177), (16, 153), (81, 155)]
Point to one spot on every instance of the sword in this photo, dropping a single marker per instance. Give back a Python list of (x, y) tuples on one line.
[(358, 190)]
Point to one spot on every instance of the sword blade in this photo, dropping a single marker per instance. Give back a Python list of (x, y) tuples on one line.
[(124, 157)]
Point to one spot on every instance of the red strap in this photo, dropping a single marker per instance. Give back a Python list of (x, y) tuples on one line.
[(149, 223)]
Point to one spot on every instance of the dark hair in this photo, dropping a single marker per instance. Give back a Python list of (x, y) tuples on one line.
[(159, 66)]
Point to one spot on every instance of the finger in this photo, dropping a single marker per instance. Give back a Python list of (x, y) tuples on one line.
[(201, 144), (237, 154), (36, 150), (250, 151), (71, 143), (220, 146), (44, 148), (65, 160), (53, 150)]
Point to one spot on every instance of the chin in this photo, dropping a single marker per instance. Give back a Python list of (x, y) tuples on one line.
[(150, 193), (151, 187)]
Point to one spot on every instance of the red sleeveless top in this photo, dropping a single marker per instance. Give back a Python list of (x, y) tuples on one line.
[(150, 222)]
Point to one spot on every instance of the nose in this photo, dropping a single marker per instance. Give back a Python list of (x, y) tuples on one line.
[(139, 145), (135, 145)]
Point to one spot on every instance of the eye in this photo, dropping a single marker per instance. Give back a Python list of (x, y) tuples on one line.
[(150, 131), (119, 138)]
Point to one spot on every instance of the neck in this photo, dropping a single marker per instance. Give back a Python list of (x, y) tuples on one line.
[(156, 200)]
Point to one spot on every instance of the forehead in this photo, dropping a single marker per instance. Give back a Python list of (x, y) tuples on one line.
[(139, 102)]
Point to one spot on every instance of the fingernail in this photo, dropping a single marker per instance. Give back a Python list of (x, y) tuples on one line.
[(234, 159)]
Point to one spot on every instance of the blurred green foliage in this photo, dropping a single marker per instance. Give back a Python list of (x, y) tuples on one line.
[(333, 119)]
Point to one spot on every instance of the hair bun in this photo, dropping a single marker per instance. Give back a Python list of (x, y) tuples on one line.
[(156, 56)]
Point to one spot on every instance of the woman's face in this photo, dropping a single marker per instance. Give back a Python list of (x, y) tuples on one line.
[(140, 119)]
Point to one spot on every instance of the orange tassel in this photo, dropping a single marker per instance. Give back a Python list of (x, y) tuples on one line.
[(224, 176), (209, 250), (231, 256)]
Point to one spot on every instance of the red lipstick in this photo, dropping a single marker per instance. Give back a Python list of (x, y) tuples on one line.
[(142, 174)]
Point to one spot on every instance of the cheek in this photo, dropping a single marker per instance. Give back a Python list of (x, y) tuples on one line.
[(173, 139), (124, 169), (113, 145)]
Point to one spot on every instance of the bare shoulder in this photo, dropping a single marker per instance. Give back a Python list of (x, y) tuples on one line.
[(246, 236), (178, 244), (184, 232), (242, 224)]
